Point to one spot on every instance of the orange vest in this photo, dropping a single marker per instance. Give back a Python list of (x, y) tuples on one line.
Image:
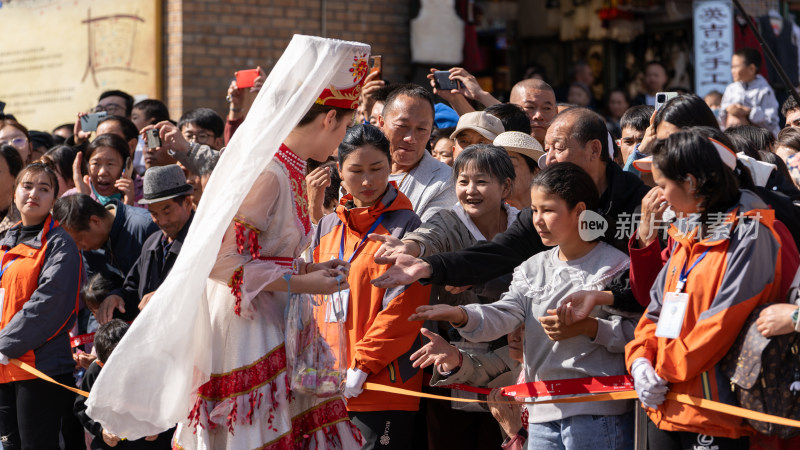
[(720, 302), (20, 278), (380, 338)]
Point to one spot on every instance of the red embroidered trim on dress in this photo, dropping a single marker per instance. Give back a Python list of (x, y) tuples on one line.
[(279, 260), (255, 247), (239, 229), (236, 288), (297, 177), (251, 240), (246, 379), (323, 417), (320, 417)]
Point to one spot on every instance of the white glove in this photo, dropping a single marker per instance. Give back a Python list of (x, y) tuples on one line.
[(355, 379), (3, 359), (650, 388)]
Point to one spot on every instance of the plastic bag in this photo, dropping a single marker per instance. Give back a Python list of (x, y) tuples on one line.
[(315, 348)]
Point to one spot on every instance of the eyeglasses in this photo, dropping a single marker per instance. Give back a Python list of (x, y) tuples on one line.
[(199, 137), (16, 142), (109, 108)]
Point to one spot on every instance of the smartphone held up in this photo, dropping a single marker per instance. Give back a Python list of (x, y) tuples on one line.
[(375, 65), (664, 97), (441, 79), (89, 122), (152, 138), (246, 78)]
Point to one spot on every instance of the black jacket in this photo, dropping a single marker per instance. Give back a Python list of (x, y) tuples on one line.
[(164, 440), (491, 259), (131, 227), (150, 270)]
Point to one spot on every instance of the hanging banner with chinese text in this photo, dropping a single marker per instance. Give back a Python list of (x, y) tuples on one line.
[(713, 45)]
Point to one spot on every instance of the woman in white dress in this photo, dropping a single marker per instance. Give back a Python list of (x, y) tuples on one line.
[(229, 385)]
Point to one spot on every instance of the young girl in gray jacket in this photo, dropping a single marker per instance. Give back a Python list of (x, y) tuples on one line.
[(563, 197)]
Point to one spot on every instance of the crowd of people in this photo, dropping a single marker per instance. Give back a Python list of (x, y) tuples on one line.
[(438, 239)]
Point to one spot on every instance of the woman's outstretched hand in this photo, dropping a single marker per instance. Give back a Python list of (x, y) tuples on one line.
[(437, 351), (578, 305), (452, 314), (405, 270)]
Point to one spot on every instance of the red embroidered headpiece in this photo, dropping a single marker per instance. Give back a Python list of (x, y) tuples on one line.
[(345, 87)]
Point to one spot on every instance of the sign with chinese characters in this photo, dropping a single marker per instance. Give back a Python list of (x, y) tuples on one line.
[(58, 56), (713, 45)]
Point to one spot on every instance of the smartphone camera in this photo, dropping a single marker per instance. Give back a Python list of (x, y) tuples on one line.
[(661, 98), (153, 140), (441, 79), (89, 122)]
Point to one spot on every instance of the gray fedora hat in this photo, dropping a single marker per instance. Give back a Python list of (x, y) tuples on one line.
[(163, 183)]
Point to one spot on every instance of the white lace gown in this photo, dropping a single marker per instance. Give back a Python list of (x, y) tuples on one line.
[(247, 404)]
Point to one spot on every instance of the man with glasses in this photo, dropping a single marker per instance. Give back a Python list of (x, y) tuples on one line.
[(115, 103), (202, 126)]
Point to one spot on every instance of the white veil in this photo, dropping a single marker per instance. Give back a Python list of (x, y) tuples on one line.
[(149, 382)]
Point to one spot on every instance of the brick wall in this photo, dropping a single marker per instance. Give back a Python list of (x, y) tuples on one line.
[(206, 41)]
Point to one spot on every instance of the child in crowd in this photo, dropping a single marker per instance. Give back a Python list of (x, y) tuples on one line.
[(92, 295), (749, 99), (553, 350), (442, 145), (96, 290), (105, 340), (714, 99)]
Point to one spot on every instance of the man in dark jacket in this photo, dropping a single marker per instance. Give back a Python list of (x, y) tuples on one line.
[(577, 135), (167, 196), (110, 237)]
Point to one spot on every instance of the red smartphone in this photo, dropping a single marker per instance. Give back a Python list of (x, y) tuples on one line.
[(246, 78), (375, 65)]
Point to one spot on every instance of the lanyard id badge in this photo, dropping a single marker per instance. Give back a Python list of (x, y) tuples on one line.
[(670, 322), (336, 309), (673, 310)]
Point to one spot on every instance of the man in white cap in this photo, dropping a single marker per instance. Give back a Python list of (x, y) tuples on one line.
[(167, 197), (475, 127)]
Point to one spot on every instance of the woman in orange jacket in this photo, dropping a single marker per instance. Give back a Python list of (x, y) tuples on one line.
[(39, 280), (379, 336), (725, 261)]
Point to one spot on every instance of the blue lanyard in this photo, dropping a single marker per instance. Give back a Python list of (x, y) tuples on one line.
[(7, 266), (363, 240), (685, 273)]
